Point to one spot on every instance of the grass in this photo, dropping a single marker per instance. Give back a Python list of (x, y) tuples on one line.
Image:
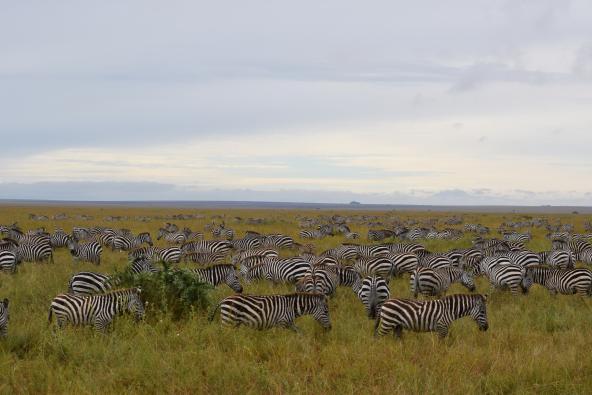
[(536, 344)]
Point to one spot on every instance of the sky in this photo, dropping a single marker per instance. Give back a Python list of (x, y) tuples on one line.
[(427, 102)]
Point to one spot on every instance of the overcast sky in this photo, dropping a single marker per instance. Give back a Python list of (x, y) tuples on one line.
[(450, 102)]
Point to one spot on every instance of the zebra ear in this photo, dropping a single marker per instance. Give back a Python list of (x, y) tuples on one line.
[(139, 290), (485, 297)]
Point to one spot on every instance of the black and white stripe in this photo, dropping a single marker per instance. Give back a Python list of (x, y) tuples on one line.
[(564, 281), (219, 274), (8, 261), (87, 252), (279, 270), (435, 282), (503, 274), (89, 283), (430, 315), (4, 318), (96, 310), (126, 243), (264, 312), (374, 291), (380, 266)]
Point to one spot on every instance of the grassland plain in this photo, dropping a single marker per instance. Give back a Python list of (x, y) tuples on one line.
[(536, 343)]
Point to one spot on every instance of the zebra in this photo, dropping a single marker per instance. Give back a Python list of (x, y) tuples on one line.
[(142, 265), (4, 317), (311, 234), (87, 252), (284, 270), (403, 262), (501, 273), (264, 312), (319, 260), (167, 255), (380, 234), (585, 256), (89, 283), (278, 241), (351, 235), (435, 261), (8, 244), (263, 252), (8, 261), (322, 279), (204, 258), (218, 274), (558, 258), (413, 248), (96, 310), (564, 281), (344, 252), (430, 315), (221, 231), (514, 236), (34, 252), (374, 291), (371, 250), (127, 243), (59, 238), (192, 236), (216, 246), (435, 282), (524, 258), (248, 243), (376, 265), (171, 237)]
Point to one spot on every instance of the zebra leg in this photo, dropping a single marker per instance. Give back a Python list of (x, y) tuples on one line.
[(442, 329), (398, 331)]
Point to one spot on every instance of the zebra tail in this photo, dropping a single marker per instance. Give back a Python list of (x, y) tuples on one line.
[(213, 313), (51, 257), (50, 316)]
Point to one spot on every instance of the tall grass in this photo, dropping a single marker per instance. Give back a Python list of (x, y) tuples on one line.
[(536, 343)]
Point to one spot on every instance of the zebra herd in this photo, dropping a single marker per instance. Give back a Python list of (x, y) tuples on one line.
[(94, 299)]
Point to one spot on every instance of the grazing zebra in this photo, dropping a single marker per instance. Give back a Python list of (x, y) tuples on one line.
[(344, 252), (216, 246), (371, 250), (126, 243), (322, 279), (278, 241), (524, 258), (403, 262), (320, 260), (351, 235), (221, 231), (514, 236), (171, 237), (412, 248), (435, 261), (4, 317), (430, 315), (264, 312), (8, 261), (311, 234), (97, 310), (204, 258), (373, 292), (377, 265), (558, 258), (564, 281), (34, 252), (502, 274), (59, 238), (88, 252), (8, 244), (142, 265), (248, 243), (380, 234), (263, 252), (435, 282), (89, 283), (167, 255), (218, 274), (284, 270)]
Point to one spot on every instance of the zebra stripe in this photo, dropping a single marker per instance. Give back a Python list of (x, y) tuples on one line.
[(403, 262), (96, 310), (564, 281), (204, 246), (89, 283), (88, 252), (435, 282), (126, 243), (430, 315), (373, 292), (218, 274), (322, 279), (379, 266), (285, 270), (264, 312), (4, 317), (8, 261), (503, 274), (142, 265), (34, 252)]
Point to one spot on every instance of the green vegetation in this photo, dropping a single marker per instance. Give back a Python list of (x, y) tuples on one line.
[(536, 343)]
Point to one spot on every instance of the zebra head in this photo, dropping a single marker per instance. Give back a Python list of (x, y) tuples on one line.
[(233, 281), (316, 305), (134, 304), (161, 232), (467, 281), (145, 238), (479, 312), (4, 318)]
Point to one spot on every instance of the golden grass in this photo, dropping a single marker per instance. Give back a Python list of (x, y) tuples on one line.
[(536, 343)]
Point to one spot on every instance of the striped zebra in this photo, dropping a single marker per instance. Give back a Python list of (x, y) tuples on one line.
[(8, 261), (403, 262), (222, 232), (167, 255), (283, 270), (351, 235), (4, 317), (142, 265), (371, 250), (278, 241), (435, 282), (375, 265), (413, 248), (524, 258), (322, 279), (263, 252), (435, 261), (59, 238), (311, 234), (126, 243), (171, 237), (430, 315), (34, 252), (215, 246), (204, 258), (344, 252), (503, 274), (514, 236), (319, 260), (89, 283), (218, 274), (559, 258), (96, 310), (564, 281), (8, 244), (248, 243), (380, 234), (265, 312), (192, 236), (585, 256), (87, 252), (374, 291)]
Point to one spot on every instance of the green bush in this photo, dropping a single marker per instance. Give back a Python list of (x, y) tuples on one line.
[(172, 291)]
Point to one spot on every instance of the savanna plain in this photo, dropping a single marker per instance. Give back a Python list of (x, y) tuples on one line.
[(536, 343)]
